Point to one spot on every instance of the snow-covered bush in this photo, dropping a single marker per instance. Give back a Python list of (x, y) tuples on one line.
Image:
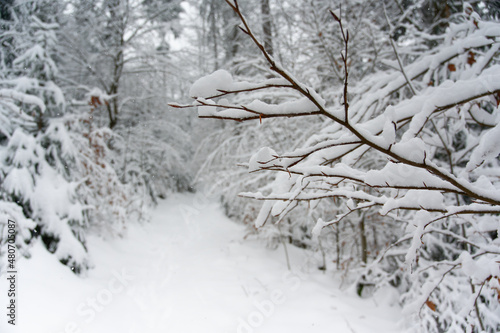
[(414, 143), (82, 149), (56, 173), (38, 160), (129, 64)]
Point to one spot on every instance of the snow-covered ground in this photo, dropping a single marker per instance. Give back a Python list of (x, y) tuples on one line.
[(190, 270)]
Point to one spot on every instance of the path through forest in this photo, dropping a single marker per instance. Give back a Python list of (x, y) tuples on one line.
[(190, 270)]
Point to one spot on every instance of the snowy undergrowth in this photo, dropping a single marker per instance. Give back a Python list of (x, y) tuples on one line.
[(190, 270)]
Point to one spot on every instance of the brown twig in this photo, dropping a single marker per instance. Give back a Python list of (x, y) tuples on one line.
[(463, 188), (344, 56)]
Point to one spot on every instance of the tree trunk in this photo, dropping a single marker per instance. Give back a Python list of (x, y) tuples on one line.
[(337, 244), (362, 234), (266, 26), (213, 29), (232, 34)]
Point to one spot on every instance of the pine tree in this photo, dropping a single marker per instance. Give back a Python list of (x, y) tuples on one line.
[(38, 169)]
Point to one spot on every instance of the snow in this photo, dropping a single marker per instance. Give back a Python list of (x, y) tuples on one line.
[(57, 93), (264, 213), (23, 98), (421, 218), (429, 200), (222, 81), (265, 157), (101, 96), (24, 147), (19, 181), (487, 149), (389, 130), (320, 224), (190, 270), (9, 210), (397, 173), (478, 269), (22, 84), (207, 110), (208, 86)]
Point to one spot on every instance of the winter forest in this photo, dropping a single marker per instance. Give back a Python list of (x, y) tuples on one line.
[(254, 165)]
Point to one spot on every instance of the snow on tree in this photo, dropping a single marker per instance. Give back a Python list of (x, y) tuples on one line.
[(38, 183), (105, 40), (63, 172), (414, 142), (116, 46)]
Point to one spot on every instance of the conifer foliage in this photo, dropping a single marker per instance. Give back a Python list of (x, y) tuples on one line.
[(39, 161)]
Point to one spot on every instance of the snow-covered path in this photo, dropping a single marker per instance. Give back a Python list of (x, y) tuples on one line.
[(189, 270)]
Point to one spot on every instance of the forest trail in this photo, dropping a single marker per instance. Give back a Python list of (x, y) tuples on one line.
[(190, 270)]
